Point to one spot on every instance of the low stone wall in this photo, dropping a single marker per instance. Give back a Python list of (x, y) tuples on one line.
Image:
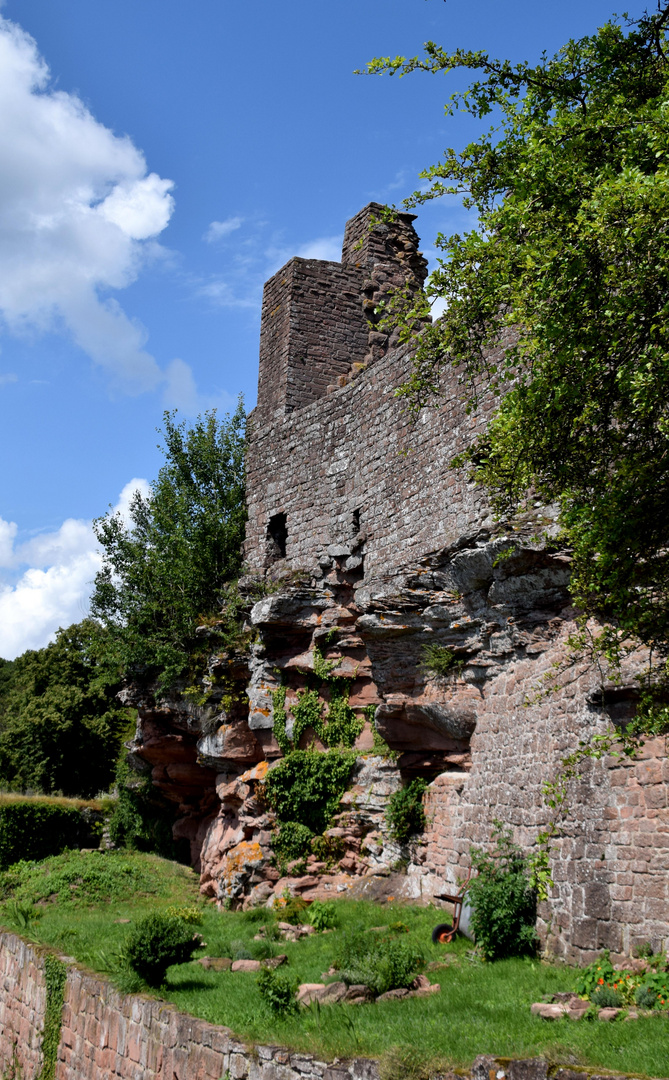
[(107, 1035)]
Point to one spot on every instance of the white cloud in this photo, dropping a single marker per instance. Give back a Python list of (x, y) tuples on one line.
[(182, 393), (218, 229), (56, 571), (77, 214), (326, 247), (9, 377)]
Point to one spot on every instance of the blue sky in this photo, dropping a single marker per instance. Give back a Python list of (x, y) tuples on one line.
[(158, 161)]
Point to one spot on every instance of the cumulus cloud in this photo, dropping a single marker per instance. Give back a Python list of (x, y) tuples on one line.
[(54, 577), (78, 214), (219, 229), (326, 247)]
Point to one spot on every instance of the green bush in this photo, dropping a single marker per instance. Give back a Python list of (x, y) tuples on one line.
[(646, 997), (322, 915), (379, 961), (405, 814), (33, 830), (142, 817), (156, 942), (295, 911), (306, 786), (292, 840), (606, 998), (278, 991), (504, 906), (440, 661)]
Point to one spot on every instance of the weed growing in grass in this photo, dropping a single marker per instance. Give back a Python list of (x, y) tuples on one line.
[(379, 961), (277, 990), (322, 915)]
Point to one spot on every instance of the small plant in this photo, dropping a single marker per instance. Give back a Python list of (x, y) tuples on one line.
[(277, 991), (597, 974), (239, 950), (322, 915), (156, 942), (291, 841), (439, 660), (504, 905), (405, 814), (327, 849), (294, 911), (380, 962), (644, 950), (646, 997), (191, 915), (606, 998)]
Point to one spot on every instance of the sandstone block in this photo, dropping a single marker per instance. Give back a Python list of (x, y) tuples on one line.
[(246, 965)]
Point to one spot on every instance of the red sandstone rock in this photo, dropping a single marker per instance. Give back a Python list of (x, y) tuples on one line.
[(246, 965)]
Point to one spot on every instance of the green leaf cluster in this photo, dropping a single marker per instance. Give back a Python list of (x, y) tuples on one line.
[(166, 568), (55, 976), (557, 301), (404, 813), (304, 789), (61, 728), (379, 961), (503, 902)]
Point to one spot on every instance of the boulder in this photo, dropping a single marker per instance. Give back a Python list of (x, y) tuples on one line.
[(274, 962), (358, 994), (324, 995), (394, 995), (216, 963), (609, 1014), (547, 1011), (246, 965)]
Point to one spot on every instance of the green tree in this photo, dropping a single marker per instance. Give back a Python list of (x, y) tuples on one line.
[(558, 300), (61, 728), (167, 568)]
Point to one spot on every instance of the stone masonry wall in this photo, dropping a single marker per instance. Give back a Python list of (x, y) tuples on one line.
[(107, 1035), (356, 461)]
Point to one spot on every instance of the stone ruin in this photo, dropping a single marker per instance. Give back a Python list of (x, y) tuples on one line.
[(374, 547)]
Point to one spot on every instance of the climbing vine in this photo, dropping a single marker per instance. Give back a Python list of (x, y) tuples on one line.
[(55, 974), (339, 727)]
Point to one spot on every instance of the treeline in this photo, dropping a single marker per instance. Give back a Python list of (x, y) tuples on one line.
[(166, 567)]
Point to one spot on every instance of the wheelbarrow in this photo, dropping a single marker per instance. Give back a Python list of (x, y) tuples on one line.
[(445, 932)]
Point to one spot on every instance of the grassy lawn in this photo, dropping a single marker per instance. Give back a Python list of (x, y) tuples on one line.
[(482, 1008)]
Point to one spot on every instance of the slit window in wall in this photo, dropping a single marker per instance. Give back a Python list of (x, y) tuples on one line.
[(277, 534)]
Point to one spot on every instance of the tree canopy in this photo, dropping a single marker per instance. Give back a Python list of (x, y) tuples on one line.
[(166, 568), (61, 728), (558, 300)]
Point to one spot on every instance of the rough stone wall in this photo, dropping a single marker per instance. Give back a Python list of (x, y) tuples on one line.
[(384, 548), (107, 1034), (355, 463), (22, 1007)]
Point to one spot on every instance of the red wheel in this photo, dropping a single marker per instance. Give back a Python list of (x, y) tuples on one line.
[(442, 934)]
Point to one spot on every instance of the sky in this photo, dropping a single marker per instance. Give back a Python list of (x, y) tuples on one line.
[(159, 160)]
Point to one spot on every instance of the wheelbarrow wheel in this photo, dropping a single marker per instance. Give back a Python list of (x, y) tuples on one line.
[(443, 933)]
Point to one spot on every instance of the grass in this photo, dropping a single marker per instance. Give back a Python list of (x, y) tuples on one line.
[(51, 800), (482, 1008)]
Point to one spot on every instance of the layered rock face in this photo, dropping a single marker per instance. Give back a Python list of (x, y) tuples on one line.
[(377, 556)]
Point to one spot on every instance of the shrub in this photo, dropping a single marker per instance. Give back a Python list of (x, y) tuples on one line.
[(606, 998), (504, 905), (405, 814), (277, 990), (322, 915), (440, 661), (239, 950), (156, 942), (142, 817), (306, 786), (292, 840), (377, 960), (646, 997), (294, 911), (33, 830)]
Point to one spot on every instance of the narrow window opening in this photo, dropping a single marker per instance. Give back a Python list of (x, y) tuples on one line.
[(277, 534)]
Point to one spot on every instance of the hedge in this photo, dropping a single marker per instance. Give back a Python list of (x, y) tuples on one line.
[(33, 830)]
